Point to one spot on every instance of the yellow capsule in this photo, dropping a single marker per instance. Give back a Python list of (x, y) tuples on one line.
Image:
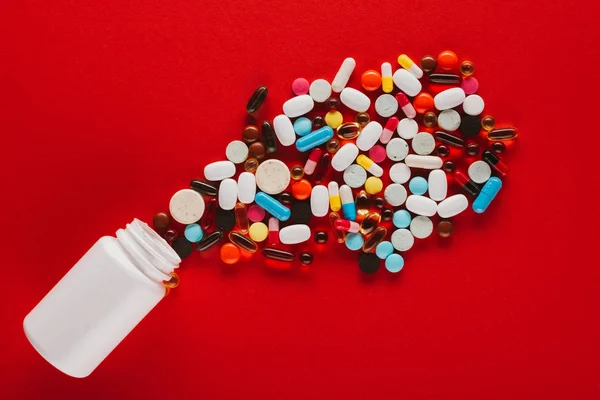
[(373, 185), (335, 202), (409, 65), (334, 119), (387, 83)]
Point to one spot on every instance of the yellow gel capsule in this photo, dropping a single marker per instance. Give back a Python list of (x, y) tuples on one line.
[(409, 65), (258, 232), (373, 185), (387, 82), (334, 119)]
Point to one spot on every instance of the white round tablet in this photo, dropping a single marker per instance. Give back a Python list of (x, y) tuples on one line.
[(386, 105), (423, 143), (186, 206), (473, 105), (272, 176), (421, 227), (402, 239), (237, 152), (449, 120), (395, 194), (355, 176), (479, 171), (396, 149), (407, 128), (320, 90), (400, 173)]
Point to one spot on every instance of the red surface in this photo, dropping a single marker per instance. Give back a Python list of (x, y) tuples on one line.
[(107, 108)]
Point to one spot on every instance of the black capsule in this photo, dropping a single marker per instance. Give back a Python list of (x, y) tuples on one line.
[(301, 212), (490, 158), (182, 247), (209, 240), (225, 219), (256, 100), (276, 254), (470, 125), (449, 139), (368, 263), (442, 151), (269, 138), (387, 214), (306, 258), (286, 198), (446, 79), (321, 237), (204, 187)]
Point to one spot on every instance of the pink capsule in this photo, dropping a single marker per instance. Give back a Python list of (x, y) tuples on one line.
[(312, 161), (389, 129), (346, 226), (406, 105)]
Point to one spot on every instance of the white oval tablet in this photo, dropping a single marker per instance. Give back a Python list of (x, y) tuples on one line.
[(320, 90), (186, 206), (319, 201), (236, 152), (421, 205), (246, 187), (479, 171), (294, 234), (369, 135), (228, 192), (407, 82), (219, 170), (272, 176), (343, 75), (355, 176), (423, 162), (395, 194), (473, 105), (396, 149), (452, 206), (449, 98), (402, 239), (421, 227), (284, 130), (386, 105), (407, 128), (423, 143), (399, 173), (355, 100), (297, 106), (437, 185), (344, 157), (449, 120)]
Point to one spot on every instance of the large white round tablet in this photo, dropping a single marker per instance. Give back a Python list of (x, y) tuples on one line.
[(186, 206), (297, 106), (320, 90), (437, 185), (236, 152), (344, 157), (228, 192), (396, 149), (219, 170), (452, 206), (395, 194), (449, 98), (319, 201), (402, 239), (386, 105), (294, 234), (355, 176), (407, 128), (284, 130), (473, 105), (449, 120), (423, 143), (355, 100), (246, 187), (272, 176), (369, 135), (423, 162), (400, 173), (479, 171), (407, 82), (421, 205), (421, 227)]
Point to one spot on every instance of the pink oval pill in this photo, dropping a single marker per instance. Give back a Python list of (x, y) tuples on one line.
[(470, 85), (377, 153), (300, 86), (256, 213)]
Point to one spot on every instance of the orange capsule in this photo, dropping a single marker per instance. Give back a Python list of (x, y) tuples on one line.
[(447, 60), (423, 102), (371, 80), (230, 253), (301, 189)]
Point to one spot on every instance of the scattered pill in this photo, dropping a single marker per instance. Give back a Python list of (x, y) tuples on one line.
[(272, 176), (209, 240), (319, 201), (333, 103), (368, 263), (250, 134), (346, 225), (186, 206), (224, 219), (297, 172), (193, 233), (487, 194), (219, 170), (405, 105), (311, 162), (208, 218), (370, 80), (470, 125), (301, 212), (386, 105), (355, 176), (479, 172), (362, 118), (498, 147), (284, 130), (467, 68), (387, 81), (269, 138), (428, 64), (502, 133), (449, 166), (449, 139), (320, 90), (423, 143), (470, 85), (257, 152), (348, 206), (318, 122), (256, 213), (236, 152), (418, 185), (306, 258), (273, 231), (449, 98), (369, 135), (444, 79), (355, 100), (423, 162), (272, 206), (473, 105), (421, 205), (401, 219), (423, 102), (407, 128), (395, 194), (354, 241), (302, 126), (445, 228), (388, 130), (394, 263), (384, 250), (334, 119), (246, 187), (314, 139), (437, 185), (449, 120), (373, 240), (400, 173), (387, 214), (407, 82), (377, 153), (301, 189), (257, 99), (161, 220), (452, 206), (343, 75), (430, 120), (243, 242), (299, 105), (228, 194), (322, 168), (182, 247), (369, 165), (373, 185), (258, 232), (321, 237), (363, 203), (402, 240), (285, 198), (335, 202), (442, 150), (332, 146), (205, 188), (488, 122), (294, 234), (447, 60), (300, 86), (421, 227), (495, 162), (230, 253), (466, 183), (409, 65)]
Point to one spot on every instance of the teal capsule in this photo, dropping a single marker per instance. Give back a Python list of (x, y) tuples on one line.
[(487, 194), (314, 139), (272, 206)]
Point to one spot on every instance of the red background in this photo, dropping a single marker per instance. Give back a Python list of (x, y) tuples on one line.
[(108, 107)]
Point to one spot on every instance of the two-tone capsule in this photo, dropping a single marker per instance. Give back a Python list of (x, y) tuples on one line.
[(409, 65), (406, 105), (335, 202), (348, 206), (313, 159), (369, 165)]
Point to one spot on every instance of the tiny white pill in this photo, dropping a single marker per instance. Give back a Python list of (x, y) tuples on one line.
[(421, 227), (421, 205), (344, 157), (437, 185), (186, 206), (236, 152), (407, 128), (294, 234), (452, 206), (386, 105), (449, 120), (272, 176), (319, 201), (343, 75), (228, 192), (355, 176), (246, 187), (402, 239), (423, 143), (423, 162), (397, 149), (284, 130), (297, 106), (395, 194), (355, 100), (479, 171), (407, 82), (369, 135), (473, 105), (320, 90), (219, 170), (449, 98), (399, 173)]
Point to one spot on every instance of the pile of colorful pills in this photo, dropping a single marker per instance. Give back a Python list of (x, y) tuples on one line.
[(378, 168)]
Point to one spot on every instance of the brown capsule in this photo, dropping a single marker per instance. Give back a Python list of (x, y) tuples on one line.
[(369, 223), (445, 228), (276, 254), (173, 282), (449, 166), (333, 103), (251, 165), (209, 241), (322, 168), (269, 137), (428, 64), (161, 221), (318, 122), (449, 139), (256, 100), (257, 150), (387, 214), (430, 119), (241, 217), (498, 147), (362, 203), (488, 122), (332, 146), (472, 149), (205, 188), (374, 239), (243, 242), (297, 172), (363, 118), (445, 79), (379, 202), (502, 134), (306, 258), (170, 235), (250, 134), (348, 131), (340, 236), (467, 68), (286, 198), (443, 151), (321, 237)]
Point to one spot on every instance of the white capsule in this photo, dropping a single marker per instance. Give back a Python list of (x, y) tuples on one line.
[(370, 165), (423, 162), (386, 105), (369, 135), (397, 149), (284, 130), (407, 128), (421, 205), (355, 176), (387, 83), (421, 227), (402, 239), (294, 234), (320, 90), (319, 201), (449, 120), (236, 151), (449, 98), (297, 106), (343, 75), (219, 170), (407, 82), (346, 194), (355, 100), (437, 185), (228, 193), (452, 206), (246, 187), (423, 143), (335, 203), (479, 171), (399, 173), (473, 105), (186, 206), (344, 157), (395, 194)]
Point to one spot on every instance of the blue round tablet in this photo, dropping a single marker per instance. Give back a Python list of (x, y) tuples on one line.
[(418, 185), (354, 241), (394, 263), (193, 233), (384, 249), (302, 126), (401, 219)]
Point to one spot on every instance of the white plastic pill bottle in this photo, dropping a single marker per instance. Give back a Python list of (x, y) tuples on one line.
[(101, 299)]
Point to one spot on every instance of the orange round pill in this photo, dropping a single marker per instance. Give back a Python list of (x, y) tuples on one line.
[(230, 253), (370, 80), (301, 189), (423, 102), (447, 60)]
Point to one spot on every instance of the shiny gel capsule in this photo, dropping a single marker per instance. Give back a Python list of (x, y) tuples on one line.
[(314, 139), (256, 100), (487, 194)]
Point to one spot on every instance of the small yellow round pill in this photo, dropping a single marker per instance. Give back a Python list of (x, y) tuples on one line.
[(258, 231), (373, 185), (334, 119)]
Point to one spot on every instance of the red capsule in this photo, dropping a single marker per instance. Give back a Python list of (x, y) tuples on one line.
[(346, 226), (466, 183), (388, 131), (313, 159), (406, 105), (322, 168), (208, 218)]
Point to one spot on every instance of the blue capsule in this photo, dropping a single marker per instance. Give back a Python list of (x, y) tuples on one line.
[(487, 194), (302, 126), (272, 206), (314, 139)]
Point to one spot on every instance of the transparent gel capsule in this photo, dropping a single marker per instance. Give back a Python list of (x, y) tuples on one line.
[(241, 217), (348, 131), (251, 165), (340, 236), (488, 122), (387, 214), (369, 223), (243, 242), (363, 203), (374, 239), (208, 218), (498, 147), (430, 119), (173, 282), (332, 146), (297, 172), (502, 134), (467, 68), (363, 118)]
